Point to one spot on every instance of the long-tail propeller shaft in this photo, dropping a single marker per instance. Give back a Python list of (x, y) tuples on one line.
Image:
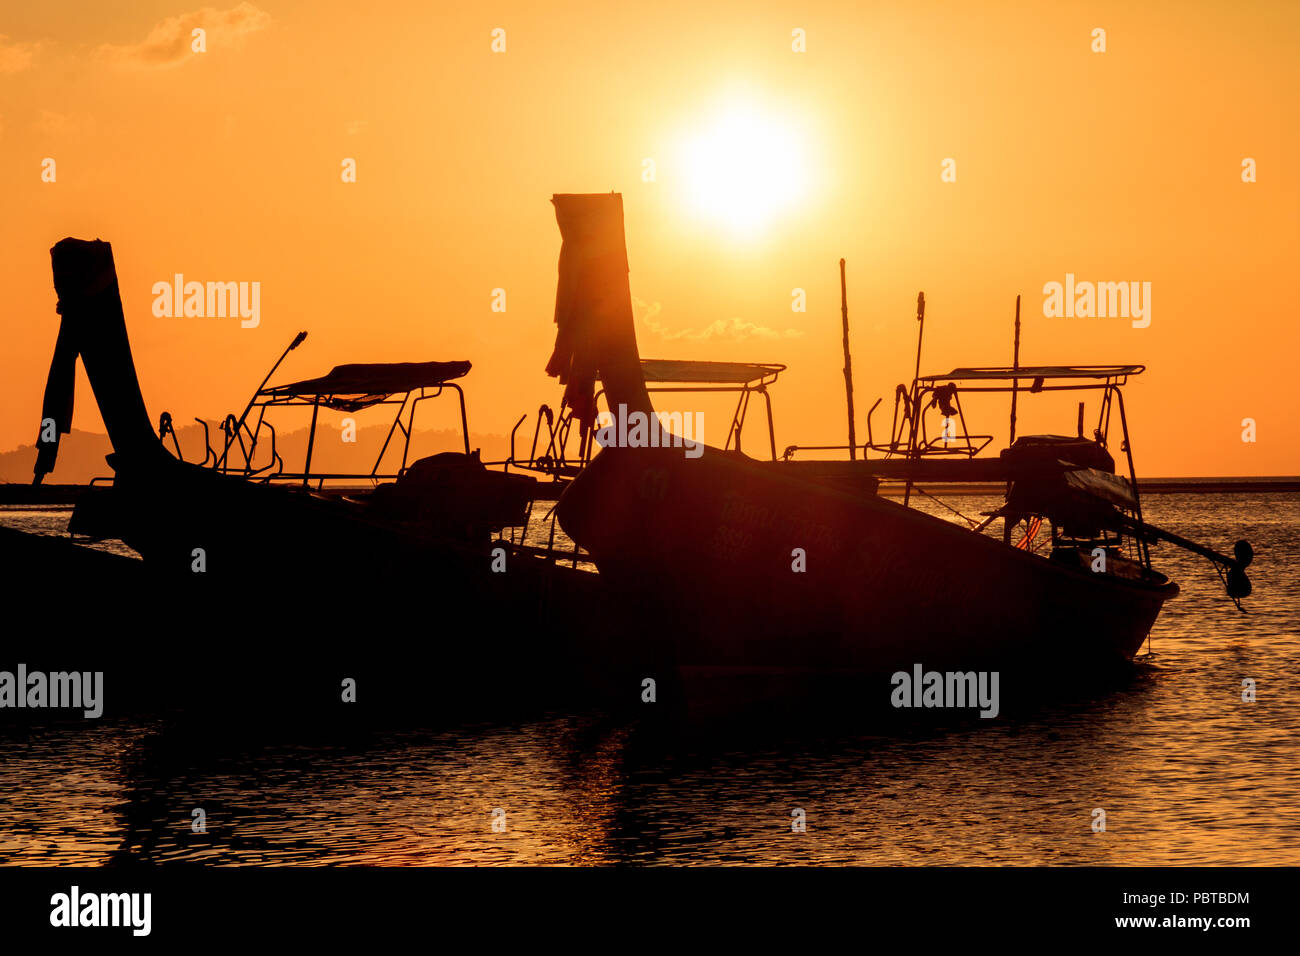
[(1231, 569)]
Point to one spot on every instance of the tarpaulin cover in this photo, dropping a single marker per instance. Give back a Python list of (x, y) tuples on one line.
[(1038, 371), (355, 386), (728, 373)]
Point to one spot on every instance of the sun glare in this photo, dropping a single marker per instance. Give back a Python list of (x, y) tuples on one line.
[(743, 168)]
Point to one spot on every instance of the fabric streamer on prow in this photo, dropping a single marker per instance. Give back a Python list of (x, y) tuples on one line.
[(595, 335)]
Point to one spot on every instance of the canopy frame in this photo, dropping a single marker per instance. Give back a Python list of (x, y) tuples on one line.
[(672, 376), (910, 451), (308, 393)]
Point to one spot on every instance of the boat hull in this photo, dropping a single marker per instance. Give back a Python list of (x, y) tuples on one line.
[(734, 564)]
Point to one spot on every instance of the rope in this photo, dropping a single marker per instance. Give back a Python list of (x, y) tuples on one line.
[(1223, 579), (973, 524)]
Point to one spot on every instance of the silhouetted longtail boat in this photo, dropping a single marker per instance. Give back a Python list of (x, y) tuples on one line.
[(236, 521), (748, 565)]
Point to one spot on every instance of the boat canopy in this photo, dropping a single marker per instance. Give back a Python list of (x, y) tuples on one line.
[(1005, 373), (729, 373), (357, 386)]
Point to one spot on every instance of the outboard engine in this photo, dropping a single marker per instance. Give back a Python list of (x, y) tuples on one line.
[(453, 495)]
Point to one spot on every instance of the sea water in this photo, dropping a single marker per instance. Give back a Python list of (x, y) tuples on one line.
[(1184, 769)]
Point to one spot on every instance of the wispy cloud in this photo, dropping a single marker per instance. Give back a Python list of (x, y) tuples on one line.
[(50, 123), (16, 57), (169, 42), (732, 329)]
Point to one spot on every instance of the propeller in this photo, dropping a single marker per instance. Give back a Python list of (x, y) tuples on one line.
[(1237, 583)]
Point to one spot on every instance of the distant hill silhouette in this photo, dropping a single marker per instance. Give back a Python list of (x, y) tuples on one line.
[(81, 453)]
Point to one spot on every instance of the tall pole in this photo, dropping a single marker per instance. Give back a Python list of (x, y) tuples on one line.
[(1015, 367), (920, 334), (1015, 387), (914, 399), (848, 359)]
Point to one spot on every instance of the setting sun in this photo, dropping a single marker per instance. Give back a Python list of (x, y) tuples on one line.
[(744, 167)]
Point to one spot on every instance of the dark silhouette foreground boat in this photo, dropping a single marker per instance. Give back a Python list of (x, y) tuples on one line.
[(257, 577), (753, 566), (238, 515), (225, 534)]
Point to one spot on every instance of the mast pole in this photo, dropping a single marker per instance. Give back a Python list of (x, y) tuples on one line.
[(920, 333), (1015, 367), (915, 399), (848, 360), (1015, 387)]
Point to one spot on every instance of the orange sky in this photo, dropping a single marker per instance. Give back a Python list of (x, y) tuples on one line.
[(1115, 166)]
